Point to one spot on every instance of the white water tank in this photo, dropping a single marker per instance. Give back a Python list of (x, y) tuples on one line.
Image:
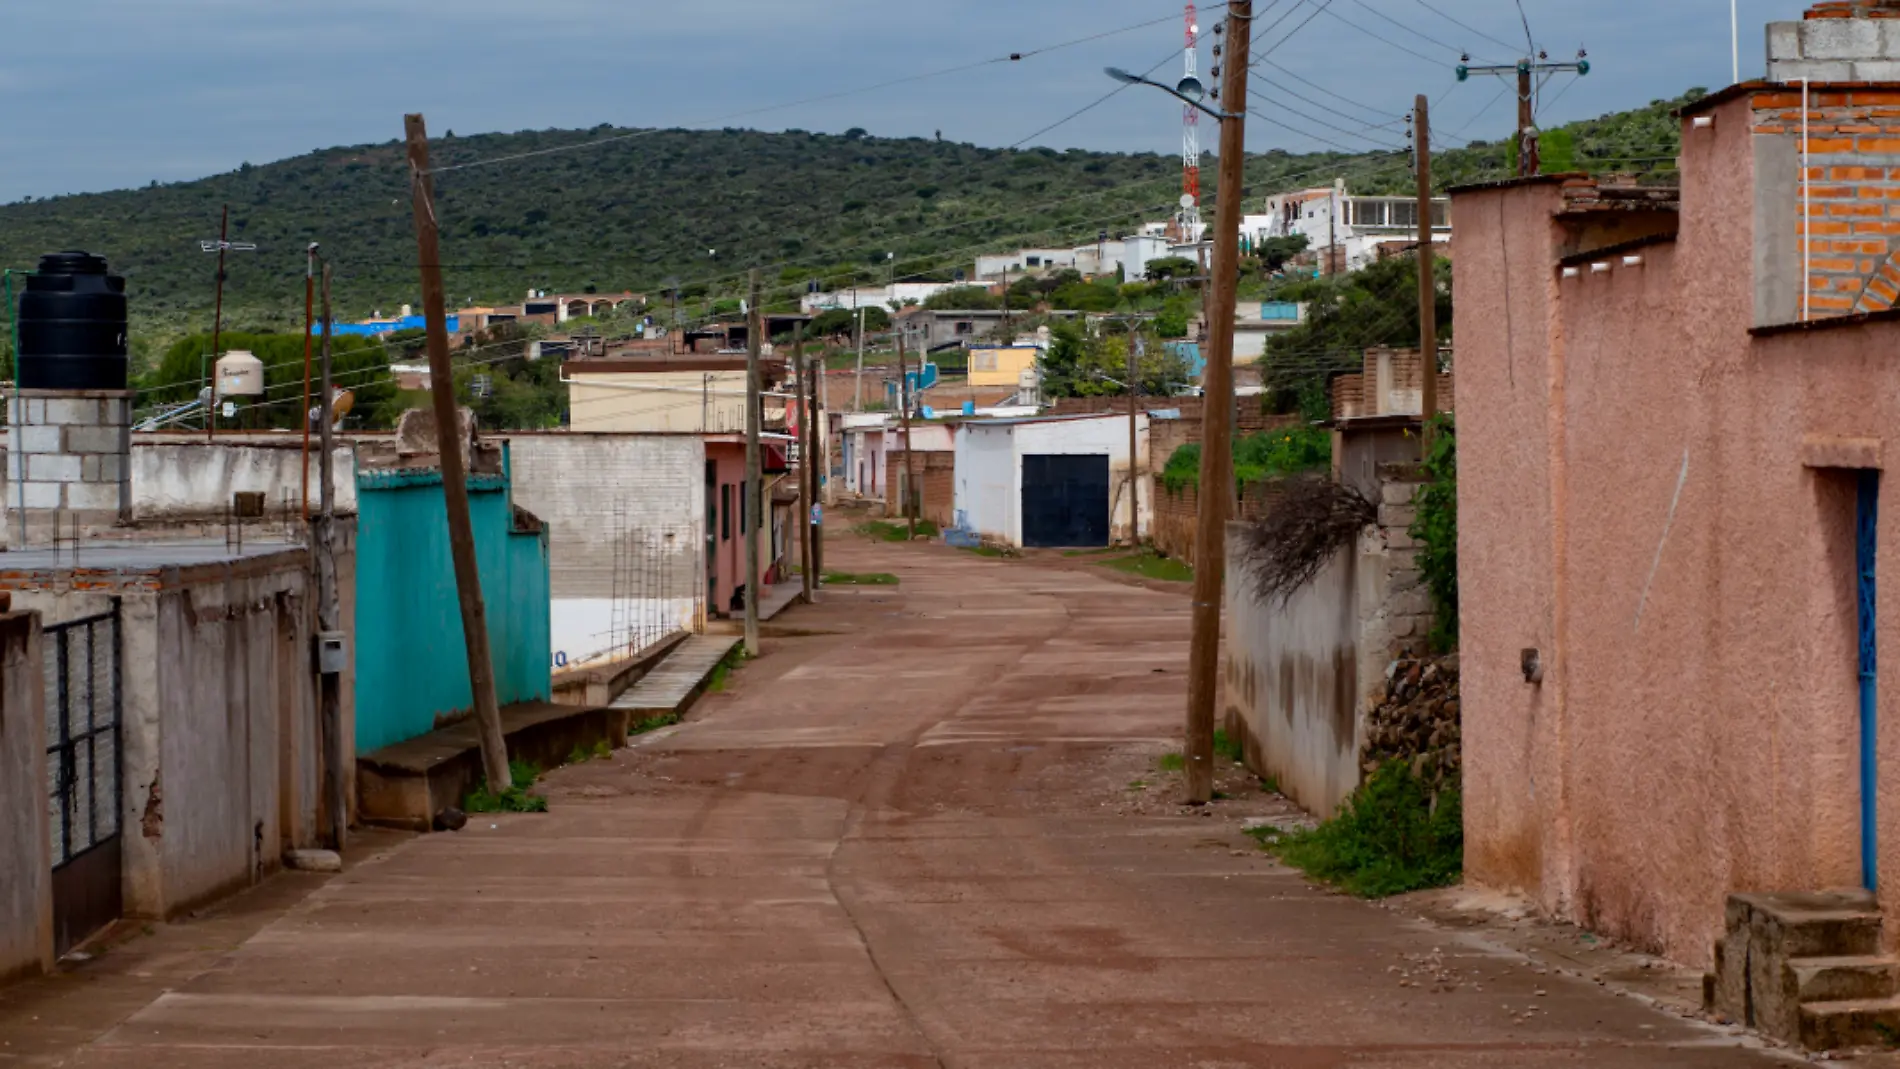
[(240, 374)]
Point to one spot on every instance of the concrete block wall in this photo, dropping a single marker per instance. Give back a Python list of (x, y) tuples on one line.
[(1841, 41), (68, 461)]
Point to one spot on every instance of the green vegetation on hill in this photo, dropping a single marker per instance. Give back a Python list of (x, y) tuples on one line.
[(634, 209)]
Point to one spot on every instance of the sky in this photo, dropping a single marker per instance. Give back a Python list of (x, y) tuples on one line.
[(106, 94)]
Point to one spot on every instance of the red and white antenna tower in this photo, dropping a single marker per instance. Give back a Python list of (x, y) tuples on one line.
[(1189, 219)]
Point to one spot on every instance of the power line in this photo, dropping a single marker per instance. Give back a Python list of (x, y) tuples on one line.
[(1335, 95), (1409, 29), (1465, 26), (1387, 40), (1012, 57)]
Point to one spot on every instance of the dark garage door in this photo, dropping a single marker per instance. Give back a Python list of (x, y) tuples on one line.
[(1065, 500)]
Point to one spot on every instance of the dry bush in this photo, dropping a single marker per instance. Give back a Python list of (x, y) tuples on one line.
[(1308, 524)]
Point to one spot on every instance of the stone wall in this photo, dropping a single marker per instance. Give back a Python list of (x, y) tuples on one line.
[(1415, 718)]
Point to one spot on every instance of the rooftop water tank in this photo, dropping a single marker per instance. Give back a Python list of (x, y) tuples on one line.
[(72, 325), (240, 374)]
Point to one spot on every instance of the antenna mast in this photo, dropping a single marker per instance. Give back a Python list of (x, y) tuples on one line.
[(1189, 219)]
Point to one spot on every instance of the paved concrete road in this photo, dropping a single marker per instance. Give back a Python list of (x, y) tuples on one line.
[(907, 839)]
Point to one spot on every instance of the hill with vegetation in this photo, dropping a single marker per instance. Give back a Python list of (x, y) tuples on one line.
[(610, 209)]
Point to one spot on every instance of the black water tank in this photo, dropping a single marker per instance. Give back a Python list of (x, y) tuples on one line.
[(72, 325)]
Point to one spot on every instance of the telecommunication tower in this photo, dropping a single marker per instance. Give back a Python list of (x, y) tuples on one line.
[(1189, 219)]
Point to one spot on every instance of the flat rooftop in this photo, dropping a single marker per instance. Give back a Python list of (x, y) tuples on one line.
[(131, 557)]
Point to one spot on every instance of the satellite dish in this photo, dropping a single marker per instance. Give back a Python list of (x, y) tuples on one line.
[(1187, 200)]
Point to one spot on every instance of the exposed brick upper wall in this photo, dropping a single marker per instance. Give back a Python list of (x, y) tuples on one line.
[(1849, 220)]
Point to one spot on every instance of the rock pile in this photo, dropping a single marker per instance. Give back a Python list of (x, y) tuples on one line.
[(1416, 721)]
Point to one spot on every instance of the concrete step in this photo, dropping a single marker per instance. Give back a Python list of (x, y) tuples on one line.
[(677, 680), (1850, 1023), (1827, 924), (1855, 978)]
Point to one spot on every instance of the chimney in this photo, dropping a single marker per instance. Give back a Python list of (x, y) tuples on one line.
[(1838, 41)]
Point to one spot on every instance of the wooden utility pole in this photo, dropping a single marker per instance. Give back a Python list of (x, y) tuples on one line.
[(1217, 406), (329, 619), (309, 284), (1427, 289), (749, 509), (448, 433), (217, 324), (804, 462), (1134, 465), (903, 407), (1527, 162), (821, 466)]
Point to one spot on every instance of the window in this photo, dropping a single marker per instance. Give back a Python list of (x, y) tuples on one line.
[(1034, 261), (725, 512), (965, 327)]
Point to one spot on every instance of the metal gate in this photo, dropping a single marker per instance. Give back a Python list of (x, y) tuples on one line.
[(1065, 499), (1866, 544), (84, 767)]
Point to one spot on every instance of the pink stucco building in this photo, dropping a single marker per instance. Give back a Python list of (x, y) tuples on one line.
[(1672, 428)]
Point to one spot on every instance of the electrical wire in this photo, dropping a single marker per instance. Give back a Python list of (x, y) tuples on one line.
[(1012, 57), (1465, 26), (1387, 40), (1410, 29)]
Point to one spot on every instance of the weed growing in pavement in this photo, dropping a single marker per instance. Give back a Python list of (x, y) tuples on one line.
[(1137, 785), (1151, 565), (722, 672), (988, 551), (581, 755), (516, 799), (860, 579), (1270, 784), (1093, 552), (653, 723), (1171, 762), (1228, 746), (1389, 837)]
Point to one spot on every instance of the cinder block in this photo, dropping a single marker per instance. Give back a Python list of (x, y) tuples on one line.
[(1889, 30), (1399, 538), (43, 495), (1784, 40), (35, 410), (93, 439), (1397, 515), (1840, 39), (1397, 493), (32, 439), (89, 468), (1877, 70), (1414, 602), (1795, 70), (116, 411), (101, 496), (53, 467), (111, 467), (70, 411)]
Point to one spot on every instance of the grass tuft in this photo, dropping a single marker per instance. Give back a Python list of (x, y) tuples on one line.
[(1387, 838), (1151, 565), (722, 672), (1171, 762), (889, 531), (653, 723), (516, 799), (860, 579)]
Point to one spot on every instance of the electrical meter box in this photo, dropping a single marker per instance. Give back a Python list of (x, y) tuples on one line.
[(333, 652)]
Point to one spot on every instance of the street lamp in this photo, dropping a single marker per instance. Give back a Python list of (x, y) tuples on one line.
[(1188, 90), (1217, 397)]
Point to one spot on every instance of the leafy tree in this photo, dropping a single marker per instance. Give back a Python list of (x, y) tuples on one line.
[(835, 321), (1348, 313), (359, 365), (1169, 268), (1077, 365), (1274, 253), (963, 298)]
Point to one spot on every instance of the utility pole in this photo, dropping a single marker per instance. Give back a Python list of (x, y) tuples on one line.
[(1427, 289), (857, 405), (1005, 339), (903, 407), (206, 367), (1526, 70), (749, 511), (1217, 447), (821, 452), (309, 284), (448, 433), (329, 684), (1134, 465), (805, 481)]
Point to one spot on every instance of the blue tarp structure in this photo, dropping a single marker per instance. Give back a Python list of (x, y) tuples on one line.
[(383, 326)]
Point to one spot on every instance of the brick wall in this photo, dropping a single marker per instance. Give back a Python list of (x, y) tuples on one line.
[(1850, 192), (1357, 394), (934, 473)]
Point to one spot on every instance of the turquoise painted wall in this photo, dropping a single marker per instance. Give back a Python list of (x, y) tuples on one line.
[(411, 663)]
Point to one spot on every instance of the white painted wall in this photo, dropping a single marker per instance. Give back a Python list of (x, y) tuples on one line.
[(986, 476), (594, 490), (179, 480)]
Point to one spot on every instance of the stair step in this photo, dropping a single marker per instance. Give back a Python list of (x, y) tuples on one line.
[(1813, 924), (1844, 979), (1850, 1023)]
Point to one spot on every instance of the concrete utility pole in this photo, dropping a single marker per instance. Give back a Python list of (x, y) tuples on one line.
[(805, 480), (857, 404), (448, 433), (903, 407), (749, 512), (329, 684), (1427, 289), (1526, 70), (1217, 447)]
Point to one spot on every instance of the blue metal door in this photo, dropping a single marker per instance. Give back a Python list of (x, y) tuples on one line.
[(1866, 540)]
